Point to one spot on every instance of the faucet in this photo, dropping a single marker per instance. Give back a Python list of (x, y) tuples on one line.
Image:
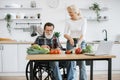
[(104, 30)]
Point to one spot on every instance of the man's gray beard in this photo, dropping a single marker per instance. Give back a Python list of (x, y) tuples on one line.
[(48, 36)]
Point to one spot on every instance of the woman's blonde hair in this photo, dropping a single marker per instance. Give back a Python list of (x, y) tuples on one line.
[(74, 8)]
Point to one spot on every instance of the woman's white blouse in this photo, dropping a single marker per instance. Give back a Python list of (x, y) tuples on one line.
[(76, 28)]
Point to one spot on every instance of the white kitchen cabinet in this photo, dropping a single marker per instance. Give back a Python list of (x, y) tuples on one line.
[(22, 48), (0, 63), (9, 58), (0, 58), (116, 61), (13, 57)]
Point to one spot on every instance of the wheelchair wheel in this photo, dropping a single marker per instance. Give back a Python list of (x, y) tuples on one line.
[(27, 72), (38, 70)]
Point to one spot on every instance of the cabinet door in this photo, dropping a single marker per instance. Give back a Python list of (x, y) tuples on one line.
[(9, 56), (116, 61), (0, 63), (1, 58), (22, 48)]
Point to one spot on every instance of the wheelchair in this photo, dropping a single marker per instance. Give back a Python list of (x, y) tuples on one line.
[(39, 67)]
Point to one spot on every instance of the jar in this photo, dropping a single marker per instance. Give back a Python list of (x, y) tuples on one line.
[(33, 4)]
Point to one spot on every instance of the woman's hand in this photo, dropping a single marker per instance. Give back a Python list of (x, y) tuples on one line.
[(71, 42), (79, 42), (69, 38)]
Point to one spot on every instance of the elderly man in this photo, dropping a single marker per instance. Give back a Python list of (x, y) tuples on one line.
[(46, 41)]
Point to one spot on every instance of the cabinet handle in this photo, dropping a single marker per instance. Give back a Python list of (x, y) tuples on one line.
[(2, 47)]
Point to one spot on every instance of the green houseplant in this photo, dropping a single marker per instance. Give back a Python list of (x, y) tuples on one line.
[(95, 7), (8, 20), (57, 34)]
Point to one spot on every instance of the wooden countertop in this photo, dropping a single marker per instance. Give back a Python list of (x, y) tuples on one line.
[(66, 57), (15, 42), (19, 42)]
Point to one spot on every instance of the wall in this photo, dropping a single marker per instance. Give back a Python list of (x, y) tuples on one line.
[(58, 16)]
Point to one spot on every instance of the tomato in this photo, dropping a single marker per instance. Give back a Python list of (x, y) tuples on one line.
[(58, 51), (67, 52), (78, 50), (51, 51), (55, 52)]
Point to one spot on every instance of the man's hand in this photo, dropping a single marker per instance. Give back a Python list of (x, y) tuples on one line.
[(45, 46)]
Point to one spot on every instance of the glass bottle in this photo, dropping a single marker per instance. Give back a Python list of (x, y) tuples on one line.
[(55, 43)]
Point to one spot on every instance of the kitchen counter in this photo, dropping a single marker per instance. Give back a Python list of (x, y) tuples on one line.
[(97, 42), (15, 42), (30, 42), (20, 42)]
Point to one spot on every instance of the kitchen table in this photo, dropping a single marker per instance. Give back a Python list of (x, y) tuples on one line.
[(73, 57)]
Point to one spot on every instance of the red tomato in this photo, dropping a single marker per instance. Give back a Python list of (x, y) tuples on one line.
[(59, 51), (51, 51), (78, 50), (67, 52), (55, 52)]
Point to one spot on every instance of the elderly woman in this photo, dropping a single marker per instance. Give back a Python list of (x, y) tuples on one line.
[(74, 32)]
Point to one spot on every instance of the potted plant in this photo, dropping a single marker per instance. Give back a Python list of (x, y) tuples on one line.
[(57, 34), (95, 7), (8, 20)]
